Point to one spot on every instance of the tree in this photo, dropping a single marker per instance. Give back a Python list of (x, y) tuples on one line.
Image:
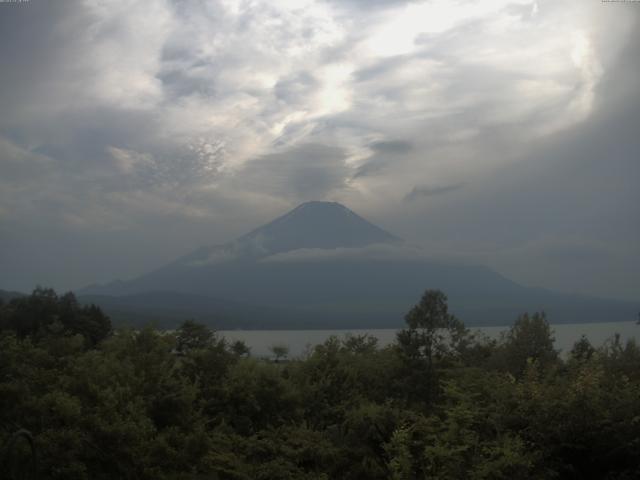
[(279, 351), (44, 313), (193, 336), (433, 332), (582, 349), (434, 335), (240, 348), (529, 339), (88, 321), (29, 316), (360, 344)]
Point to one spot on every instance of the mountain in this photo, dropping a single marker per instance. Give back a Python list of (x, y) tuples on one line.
[(7, 295), (323, 266), (321, 225)]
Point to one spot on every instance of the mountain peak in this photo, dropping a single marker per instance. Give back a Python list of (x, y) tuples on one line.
[(310, 225), (316, 224), (316, 207), (320, 204), (317, 211)]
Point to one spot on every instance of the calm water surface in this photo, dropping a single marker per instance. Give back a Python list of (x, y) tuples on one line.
[(300, 341)]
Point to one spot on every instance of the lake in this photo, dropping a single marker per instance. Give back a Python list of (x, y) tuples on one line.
[(299, 341)]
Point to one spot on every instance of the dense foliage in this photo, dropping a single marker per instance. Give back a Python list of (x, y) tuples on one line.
[(440, 403)]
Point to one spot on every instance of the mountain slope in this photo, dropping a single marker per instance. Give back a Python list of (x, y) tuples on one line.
[(321, 265)]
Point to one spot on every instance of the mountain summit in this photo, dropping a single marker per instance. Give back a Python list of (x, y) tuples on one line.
[(318, 225), (311, 225)]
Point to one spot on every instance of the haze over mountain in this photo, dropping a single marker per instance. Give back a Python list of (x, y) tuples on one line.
[(322, 265)]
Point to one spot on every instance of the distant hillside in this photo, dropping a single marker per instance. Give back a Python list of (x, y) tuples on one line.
[(6, 295), (168, 309), (323, 266)]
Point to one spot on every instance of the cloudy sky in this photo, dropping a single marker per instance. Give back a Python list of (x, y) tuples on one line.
[(501, 132)]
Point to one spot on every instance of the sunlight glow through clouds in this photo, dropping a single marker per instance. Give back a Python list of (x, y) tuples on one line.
[(224, 84), (545, 61), (397, 35), (279, 39)]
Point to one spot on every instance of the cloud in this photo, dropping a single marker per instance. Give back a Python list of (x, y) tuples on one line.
[(296, 88), (370, 252), (367, 4), (427, 191), (216, 257), (307, 172), (384, 153), (371, 167), (392, 147), (129, 160), (247, 248), (21, 163)]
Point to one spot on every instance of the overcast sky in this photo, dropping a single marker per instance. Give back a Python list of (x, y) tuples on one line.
[(501, 132)]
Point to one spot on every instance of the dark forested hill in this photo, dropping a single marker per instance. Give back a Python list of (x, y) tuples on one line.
[(6, 295)]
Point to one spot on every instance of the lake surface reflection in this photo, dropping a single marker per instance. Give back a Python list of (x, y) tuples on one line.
[(300, 341)]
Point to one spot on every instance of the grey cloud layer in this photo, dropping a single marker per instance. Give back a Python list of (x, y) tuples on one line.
[(305, 172), (122, 120)]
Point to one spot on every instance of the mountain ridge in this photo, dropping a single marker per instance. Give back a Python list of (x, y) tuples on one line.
[(323, 264)]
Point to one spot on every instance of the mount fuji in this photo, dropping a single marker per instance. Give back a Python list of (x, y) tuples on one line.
[(323, 266)]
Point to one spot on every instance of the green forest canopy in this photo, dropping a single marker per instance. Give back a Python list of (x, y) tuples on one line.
[(440, 403)]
